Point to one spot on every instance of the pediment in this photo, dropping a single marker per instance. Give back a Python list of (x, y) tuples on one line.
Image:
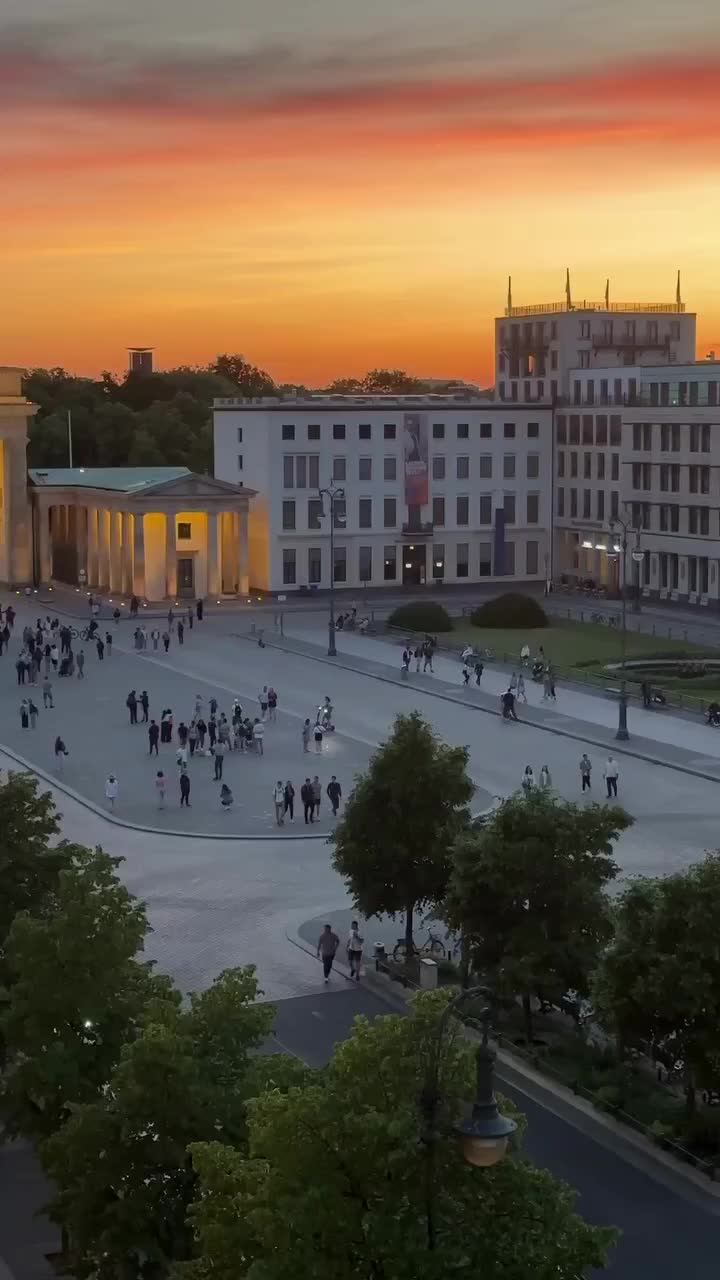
[(195, 487)]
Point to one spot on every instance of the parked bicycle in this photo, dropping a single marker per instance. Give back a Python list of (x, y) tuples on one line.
[(432, 946)]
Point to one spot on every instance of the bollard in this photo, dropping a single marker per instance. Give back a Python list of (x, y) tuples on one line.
[(379, 955), (428, 974)]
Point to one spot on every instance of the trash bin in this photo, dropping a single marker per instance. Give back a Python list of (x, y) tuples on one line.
[(428, 974)]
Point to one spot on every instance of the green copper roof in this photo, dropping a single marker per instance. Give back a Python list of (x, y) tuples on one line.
[(119, 479)]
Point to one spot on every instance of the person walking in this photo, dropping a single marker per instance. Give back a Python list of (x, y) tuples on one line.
[(190, 616), (306, 795), (478, 672), (258, 736), (528, 780), (33, 713), (108, 643), (20, 668), (184, 789), (166, 640), (465, 675), (111, 790), (428, 655), (316, 795), (80, 660), (131, 704), (61, 752), (318, 736), (289, 800), (263, 701), (585, 771), (202, 734), (100, 646), (182, 733), (155, 637), (181, 631), (407, 655), (279, 802), (47, 691), (54, 656), (212, 731), (354, 948), (645, 691), (219, 756), (170, 619), (306, 731), (199, 610), (272, 703), (545, 781), (520, 691), (198, 708), (160, 786), (328, 943), (611, 772), (508, 705), (226, 795), (25, 714), (134, 606), (547, 684), (182, 756), (193, 736), (153, 736), (513, 682), (145, 704), (334, 794)]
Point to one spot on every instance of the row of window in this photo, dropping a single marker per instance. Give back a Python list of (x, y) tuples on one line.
[(594, 429), (672, 435), (461, 568), (568, 464), (669, 475), (390, 511), (365, 431), (570, 509), (301, 471), (529, 392)]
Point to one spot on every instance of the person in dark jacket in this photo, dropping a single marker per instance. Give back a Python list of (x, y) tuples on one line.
[(131, 704), (153, 736), (185, 789), (289, 799), (308, 800), (334, 792)]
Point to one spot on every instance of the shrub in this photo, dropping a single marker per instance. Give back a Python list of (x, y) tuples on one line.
[(422, 615), (510, 610)]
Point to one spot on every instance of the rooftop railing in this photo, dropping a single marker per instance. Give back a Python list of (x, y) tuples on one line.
[(547, 308)]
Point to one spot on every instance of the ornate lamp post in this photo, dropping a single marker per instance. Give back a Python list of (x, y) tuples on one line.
[(620, 528), (333, 494)]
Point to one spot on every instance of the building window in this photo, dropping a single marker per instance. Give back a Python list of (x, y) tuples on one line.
[(573, 504), (675, 437), (600, 504), (364, 431), (705, 438), (574, 434), (389, 468), (486, 466), (561, 464), (600, 465), (615, 430), (463, 468), (561, 429), (338, 469), (313, 431), (389, 431), (438, 467), (313, 471), (240, 462), (587, 429), (239, 435), (573, 464), (438, 560), (389, 563), (561, 503), (365, 469), (389, 513), (340, 564), (365, 513), (340, 513), (553, 359), (288, 431), (531, 558), (338, 431), (587, 498), (462, 559), (533, 430), (509, 431), (438, 509), (485, 509), (614, 504), (584, 329), (486, 430), (509, 466), (184, 530), (301, 472), (463, 431), (314, 564), (365, 564), (615, 468), (601, 426), (288, 472), (533, 508), (288, 514), (587, 466), (315, 511), (438, 430), (509, 508), (485, 565), (289, 566), (462, 510)]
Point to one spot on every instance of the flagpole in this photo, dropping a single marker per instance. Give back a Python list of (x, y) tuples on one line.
[(69, 422)]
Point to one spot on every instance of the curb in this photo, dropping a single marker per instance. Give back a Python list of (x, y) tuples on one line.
[(533, 724)]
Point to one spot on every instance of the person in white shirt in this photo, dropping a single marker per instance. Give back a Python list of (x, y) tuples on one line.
[(258, 735), (354, 947), (528, 780), (279, 802), (545, 779), (111, 790), (611, 773)]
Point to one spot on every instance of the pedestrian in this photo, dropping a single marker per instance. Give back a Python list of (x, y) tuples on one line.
[(180, 631), (20, 668), (145, 704), (478, 672), (645, 690), (134, 606), (185, 789), (553, 695), (520, 691), (545, 781), (279, 802), (212, 731), (10, 617), (328, 943), (418, 657), (166, 726), (226, 795), (99, 645), (428, 655), (193, 736), (611, 773), (153, 736), (547, 684), (197, 710), (166, 640), (248, 728), (508, 705), (108, 643), (143, 637), (181, 756), (199, 610), (334, 793), (263, 701), (258, 735), (306, 795), (354, 948), (116, 616), (525, 654), (219, 754), (318, 736), (47, 691), (190, 616), (34, 713), (306, 731), (272, 704), (202, 733), (81, 664), (213, 706), (585, 770), (170, 618), (465, 675), (316, 795), (61, 752), (160, 785), (111, 790), (155, 637), (182, 733), (131, 704), (289, 800), (54, 656), (407, 655), (513, 682), (528, 780), (25, 714)]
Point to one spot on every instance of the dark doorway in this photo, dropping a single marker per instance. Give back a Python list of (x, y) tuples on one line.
[(414, 562), (186, 576)]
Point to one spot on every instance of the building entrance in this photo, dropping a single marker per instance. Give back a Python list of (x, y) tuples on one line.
[(414, 559), (186, 576)]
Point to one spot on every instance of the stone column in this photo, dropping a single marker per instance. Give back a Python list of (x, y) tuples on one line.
[(82, 517), (126, 554), (18, 526), (115, 523), (103, 548), (93, 566), (170, 555), (213, 559), (243, 574), (228, 542), (44, 544), (138, 555)]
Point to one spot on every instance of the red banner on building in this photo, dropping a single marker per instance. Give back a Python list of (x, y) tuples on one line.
[(415, 444)]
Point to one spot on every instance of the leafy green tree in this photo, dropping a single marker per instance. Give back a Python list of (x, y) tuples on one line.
[(120, 1164), (527, 894), (391, 846), (659, 980), (247, 378), (345, 387), (29, 865), (392, 380), (76, 992), (338, 1181)]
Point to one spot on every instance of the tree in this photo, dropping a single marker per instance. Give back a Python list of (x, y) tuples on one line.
[(77, 993), (392, 380), (345, 387), (391, 846), (338, 1179), (120, 1164), (29, 865), (527, 894), (659, 980), (248, 379)]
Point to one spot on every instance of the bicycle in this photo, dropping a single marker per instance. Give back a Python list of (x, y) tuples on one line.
[(432, 946)]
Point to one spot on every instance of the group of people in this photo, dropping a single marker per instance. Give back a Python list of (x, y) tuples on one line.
[(422, 653), (310, 796), (611, 773), (328, 945)]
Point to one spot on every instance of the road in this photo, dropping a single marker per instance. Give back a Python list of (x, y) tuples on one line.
[(669, 1229)]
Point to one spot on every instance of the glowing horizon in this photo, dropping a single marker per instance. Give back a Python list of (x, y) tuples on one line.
[(328, 191)]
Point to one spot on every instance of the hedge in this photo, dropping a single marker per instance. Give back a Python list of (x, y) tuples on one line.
[(423, 615), (510, 610)]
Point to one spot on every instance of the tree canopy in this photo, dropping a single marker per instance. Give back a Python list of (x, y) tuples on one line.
[(392, 843)]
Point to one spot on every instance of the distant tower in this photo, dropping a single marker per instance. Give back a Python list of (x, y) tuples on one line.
[(140, 359)]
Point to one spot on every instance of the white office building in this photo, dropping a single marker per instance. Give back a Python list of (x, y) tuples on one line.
[(436, 488)]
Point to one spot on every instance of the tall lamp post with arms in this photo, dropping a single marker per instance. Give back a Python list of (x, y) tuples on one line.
[(334, 494), (619, 529)]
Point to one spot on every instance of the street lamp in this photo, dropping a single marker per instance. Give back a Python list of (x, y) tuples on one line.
[(333, 494), (619, 529), (484, 1135)]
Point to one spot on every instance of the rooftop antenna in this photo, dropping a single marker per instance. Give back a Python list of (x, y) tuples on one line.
[(568, 295)]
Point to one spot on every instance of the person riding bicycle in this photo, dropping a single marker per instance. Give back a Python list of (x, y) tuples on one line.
[(92, 628), (713, 714)]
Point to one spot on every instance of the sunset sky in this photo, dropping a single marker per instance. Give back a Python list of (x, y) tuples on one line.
[(328, 185)]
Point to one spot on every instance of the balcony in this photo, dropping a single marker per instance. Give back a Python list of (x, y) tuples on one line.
[(624, 342), (417, 528)]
